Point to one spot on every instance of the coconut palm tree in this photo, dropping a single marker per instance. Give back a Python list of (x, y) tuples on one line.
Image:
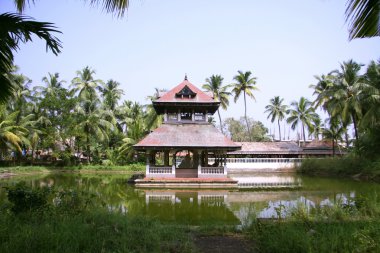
[(49, 92), (152, 119), (364, 18), (111, 6), (52, 85), (92, 122), (85, 84), (371, 100), (245, 83), (276, 110), (322, 90), (125, 114), (136, 132), (347, 94), (21, 95), (317, 127), (16, 29), (11, 134), (220, 93), (302, 113), (334, 132), (111, 94)]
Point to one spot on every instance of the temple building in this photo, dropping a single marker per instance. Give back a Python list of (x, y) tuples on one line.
[(185, 143)]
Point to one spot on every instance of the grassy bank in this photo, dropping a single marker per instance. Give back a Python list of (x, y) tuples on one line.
[(318, 236), (89, 232), (345, 167), (138, 167), (348, 226), (56, 220), (48, 220), (110, 232)]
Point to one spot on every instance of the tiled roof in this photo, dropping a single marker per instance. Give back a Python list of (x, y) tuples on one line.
[(319, 144), (201, 96), (267, 148), (186, 135)]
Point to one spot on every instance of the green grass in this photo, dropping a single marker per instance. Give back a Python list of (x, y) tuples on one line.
[(52, 220), (353, 226), (318, 236), (95, 231), (81, 168), (100, 231)]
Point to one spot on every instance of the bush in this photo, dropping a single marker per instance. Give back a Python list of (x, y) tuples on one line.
[(349, 166), (25, 199)]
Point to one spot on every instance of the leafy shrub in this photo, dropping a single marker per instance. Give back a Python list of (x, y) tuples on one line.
[(24, 198), (346, 166)]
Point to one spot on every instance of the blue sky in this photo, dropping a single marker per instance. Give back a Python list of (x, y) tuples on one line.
[(284, 44)]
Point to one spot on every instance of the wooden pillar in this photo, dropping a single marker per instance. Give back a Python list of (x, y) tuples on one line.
[(225, 164), (179, 115), (165, 116), (166, 157), (192, 115), (153, 157), (173, 164), (147, 162), (199, 162)]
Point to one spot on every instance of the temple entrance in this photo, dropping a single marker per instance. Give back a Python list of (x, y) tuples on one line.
[(186, 167)]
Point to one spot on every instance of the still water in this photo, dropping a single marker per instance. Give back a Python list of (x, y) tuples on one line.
[(208, 206)]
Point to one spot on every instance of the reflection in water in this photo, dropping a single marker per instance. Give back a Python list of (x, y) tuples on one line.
[(266, 180), (224, 207)]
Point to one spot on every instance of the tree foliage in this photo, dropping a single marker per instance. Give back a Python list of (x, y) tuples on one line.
[(352, 99), (56, 120), (244, 83), (363, 17), (16, 29), (276, 110), (219, 91), (237, 130)]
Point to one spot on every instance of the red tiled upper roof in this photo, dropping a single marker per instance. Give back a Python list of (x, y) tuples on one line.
[(186, 135), (201, 96)]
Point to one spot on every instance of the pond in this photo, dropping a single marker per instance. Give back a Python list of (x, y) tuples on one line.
[(207, 206)]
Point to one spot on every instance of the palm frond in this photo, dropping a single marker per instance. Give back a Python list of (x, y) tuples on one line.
[(16, 29), (363, 17)]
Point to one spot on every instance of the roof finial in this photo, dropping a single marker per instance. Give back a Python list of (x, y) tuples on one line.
[(185, 77)]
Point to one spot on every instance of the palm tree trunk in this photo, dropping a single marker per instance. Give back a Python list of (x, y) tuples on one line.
[(88, 147), (220, 121), (279, 128), (246, 120), (357, 144), (355, 127), (303, 133), (346, 139), (333, 146), (32, 155)]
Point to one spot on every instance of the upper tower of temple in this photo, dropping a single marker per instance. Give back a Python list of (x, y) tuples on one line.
[(185, 103)]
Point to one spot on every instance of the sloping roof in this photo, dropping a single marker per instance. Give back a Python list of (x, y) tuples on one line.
[(186, 135), (318, 144), (268, 148), (200, 97)]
